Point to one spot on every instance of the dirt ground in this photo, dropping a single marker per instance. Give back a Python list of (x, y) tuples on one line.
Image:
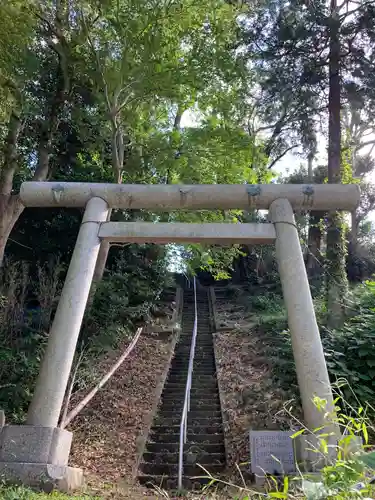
[(249, 397), (108, 434)]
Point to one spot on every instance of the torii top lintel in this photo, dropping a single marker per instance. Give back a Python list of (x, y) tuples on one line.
[(166, 197)]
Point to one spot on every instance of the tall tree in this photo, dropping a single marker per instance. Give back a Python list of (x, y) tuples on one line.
[(312, 59), (337, 283), (170, 55), (36, 78)]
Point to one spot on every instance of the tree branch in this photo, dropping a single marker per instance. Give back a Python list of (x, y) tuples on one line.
[(103, 381), (364, 144), (52, 121), (98, 65), (281, 155)]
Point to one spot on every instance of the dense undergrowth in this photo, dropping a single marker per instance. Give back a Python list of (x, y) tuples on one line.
[(28, 300), (349, 350)]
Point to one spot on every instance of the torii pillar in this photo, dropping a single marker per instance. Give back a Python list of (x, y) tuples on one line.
[(311, 368)]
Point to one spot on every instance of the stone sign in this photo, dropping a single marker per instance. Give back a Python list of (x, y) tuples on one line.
[(271, 452)]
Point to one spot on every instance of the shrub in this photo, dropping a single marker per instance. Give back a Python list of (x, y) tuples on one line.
[(350, 351), (28, 298)]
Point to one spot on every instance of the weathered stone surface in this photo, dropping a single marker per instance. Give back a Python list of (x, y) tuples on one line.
[(311, 368), (45, 476), (26, 443), (271, 452), (2, 418), (162, 197)]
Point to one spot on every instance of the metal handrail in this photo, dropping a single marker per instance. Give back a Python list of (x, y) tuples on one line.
[(183, 425)]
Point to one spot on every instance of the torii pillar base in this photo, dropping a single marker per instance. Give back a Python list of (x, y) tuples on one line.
[(38, 457)]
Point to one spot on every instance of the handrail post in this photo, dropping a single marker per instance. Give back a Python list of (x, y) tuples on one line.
[(186, 409)]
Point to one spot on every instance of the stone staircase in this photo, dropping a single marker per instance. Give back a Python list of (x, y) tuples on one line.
[(205, 438)]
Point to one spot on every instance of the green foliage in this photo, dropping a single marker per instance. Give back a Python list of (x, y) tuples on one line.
[(336, 278), (17, 28), (288, 46), (346, 470), (269, 302), (29, 298), (24, 330), (350, 350), (217, 260), (22, 493), (126, 294)]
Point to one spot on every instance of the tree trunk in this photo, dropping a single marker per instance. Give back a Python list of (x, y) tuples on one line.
[(100, 264), (313, 265), (354, 230), (118, 150), (10, 205), (10, 210), (336, 279), (314, 238)]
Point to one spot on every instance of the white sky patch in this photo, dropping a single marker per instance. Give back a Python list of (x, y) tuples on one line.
[(190, 118)]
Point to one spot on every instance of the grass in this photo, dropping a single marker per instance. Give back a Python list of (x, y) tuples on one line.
[(22, 493)]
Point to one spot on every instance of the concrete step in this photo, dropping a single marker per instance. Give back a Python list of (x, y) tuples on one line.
[(172, 458), (172, 469), (199, 375), (211, 393), (171, 483), (198, 372), (206, 346), (194, 406), (194, 393), (201, 367), (196, 397), (195, 403), (208, 384), (202, 370), (192, 429), (199, 362), (178, 386), (201, 354), (191, 438), (196, 378), (209, 448), (204, 343), (201, 338), (205, 428), (201, 383), (173, 421), (192, 413), (177, 407)]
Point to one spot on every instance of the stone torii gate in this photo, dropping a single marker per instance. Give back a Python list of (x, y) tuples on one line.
[(39, 450)]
